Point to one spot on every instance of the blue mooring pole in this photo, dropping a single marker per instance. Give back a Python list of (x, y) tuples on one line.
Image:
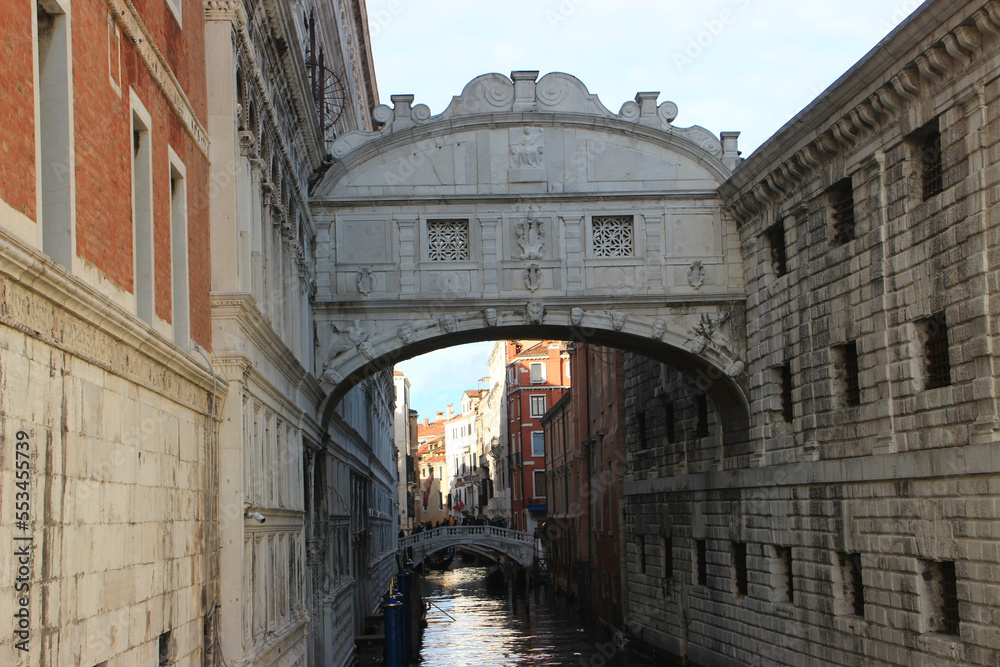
[(405, 587), (392, 609)]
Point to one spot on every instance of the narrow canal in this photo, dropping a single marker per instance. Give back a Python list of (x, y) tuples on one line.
[(468, 625)]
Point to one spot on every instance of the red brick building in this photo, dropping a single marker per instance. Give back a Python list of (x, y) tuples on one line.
[(105, 151), (585, 462), (537, 377)]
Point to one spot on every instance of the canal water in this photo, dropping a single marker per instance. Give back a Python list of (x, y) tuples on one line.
[(467, 625)]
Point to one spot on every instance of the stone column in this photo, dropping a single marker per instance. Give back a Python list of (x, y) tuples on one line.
[(576, 238), (491, 256), (409, 237)]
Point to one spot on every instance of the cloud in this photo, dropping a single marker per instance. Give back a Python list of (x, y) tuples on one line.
[(439, 378)]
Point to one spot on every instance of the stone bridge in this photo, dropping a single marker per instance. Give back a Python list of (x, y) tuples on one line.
[(512, 543), (528, 209)]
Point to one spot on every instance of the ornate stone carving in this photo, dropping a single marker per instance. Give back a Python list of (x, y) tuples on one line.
[(364, 281), (576, 316), (406, 334), (491, 316), (696, 274), (330, 374), (533, 277), (535, 312), (366, 349), (618, 320), (735, 369), (247, 144), (531, 238), (659, 328), (528, 151), (448, 324)]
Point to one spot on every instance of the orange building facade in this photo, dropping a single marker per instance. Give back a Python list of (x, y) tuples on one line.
[(537, 377)]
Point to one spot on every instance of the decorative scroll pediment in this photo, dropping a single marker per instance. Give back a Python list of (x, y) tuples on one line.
[(555, 92)]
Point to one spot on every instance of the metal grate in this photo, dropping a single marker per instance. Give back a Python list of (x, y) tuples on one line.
[(447, 240), (776, 241), (930, 161), (936, 351), (612, 236), (849, 372), (842, 210)]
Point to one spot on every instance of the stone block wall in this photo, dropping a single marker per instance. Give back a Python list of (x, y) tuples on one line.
[(862, 529), (111, 506)]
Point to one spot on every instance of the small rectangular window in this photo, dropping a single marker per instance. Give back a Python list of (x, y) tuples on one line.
[(537, 373), (447, 240), (166, 649), (927, 149), (784, 373), (701, 562), (846, 357), (841, 207), (775, 235), (940, 592), (537, 406), (784, 590), (668, 557), (669, 420), (936, 355), (851, 579), (537, 443), (740, 578), (701, 416)]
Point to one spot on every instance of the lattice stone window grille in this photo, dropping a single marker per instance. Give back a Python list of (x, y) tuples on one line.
[(613, 236), (447, 240)]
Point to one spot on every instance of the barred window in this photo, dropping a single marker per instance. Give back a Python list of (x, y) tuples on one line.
[(841, 199), (854, 587), (775, 235), (940, 589), (785, 385), (613, 236), (447, 240), (926, 144), (935, 330), (847, 357)]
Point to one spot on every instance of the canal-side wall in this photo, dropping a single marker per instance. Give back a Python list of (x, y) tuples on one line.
[(863, 527)]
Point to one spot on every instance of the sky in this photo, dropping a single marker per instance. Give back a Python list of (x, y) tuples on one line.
[(729, 65)]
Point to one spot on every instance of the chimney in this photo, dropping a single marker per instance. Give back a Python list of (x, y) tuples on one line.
[(440, 415), (427, 421), (451, 410)]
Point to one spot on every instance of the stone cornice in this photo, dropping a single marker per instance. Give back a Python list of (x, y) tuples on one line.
[(233, 12), (372, 307), (584, 198), (875, 92), (127, 18), (40, 276), (243, 308)]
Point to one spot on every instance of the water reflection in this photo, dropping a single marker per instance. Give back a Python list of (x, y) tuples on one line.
[(466, 625)]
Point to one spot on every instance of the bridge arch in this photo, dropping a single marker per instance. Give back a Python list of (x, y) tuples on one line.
[(528, 209)]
